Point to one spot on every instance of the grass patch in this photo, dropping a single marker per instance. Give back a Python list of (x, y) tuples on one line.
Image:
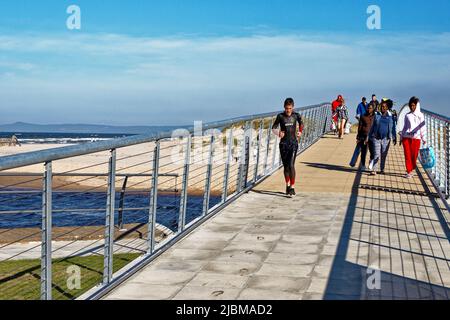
[(21, 279)]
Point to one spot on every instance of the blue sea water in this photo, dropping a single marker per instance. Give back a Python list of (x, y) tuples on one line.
[(73, 209), (60, 138)]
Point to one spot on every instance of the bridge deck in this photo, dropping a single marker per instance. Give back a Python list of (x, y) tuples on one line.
[(317, 245)]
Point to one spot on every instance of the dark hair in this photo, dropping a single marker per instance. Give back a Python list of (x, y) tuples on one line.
[(364, 99), (414, 100), (372, 104), (288, 102), (374, 95)]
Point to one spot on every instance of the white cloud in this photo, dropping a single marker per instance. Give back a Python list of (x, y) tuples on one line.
[(195, 76)]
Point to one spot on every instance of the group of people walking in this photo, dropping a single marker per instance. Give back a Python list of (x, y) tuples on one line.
[(377, 130)]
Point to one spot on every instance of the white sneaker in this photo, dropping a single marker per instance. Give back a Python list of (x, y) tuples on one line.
[(371, 165), (408, 176)]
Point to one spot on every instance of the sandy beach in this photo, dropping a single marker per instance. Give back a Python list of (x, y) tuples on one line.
[(137, 159)]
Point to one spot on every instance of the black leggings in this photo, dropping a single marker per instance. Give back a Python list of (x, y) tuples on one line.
[(288, 151)]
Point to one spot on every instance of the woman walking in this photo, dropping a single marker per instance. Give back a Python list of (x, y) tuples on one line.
[(381, 134), (334, 111), (412, 135), (365, 124), (342, 113)]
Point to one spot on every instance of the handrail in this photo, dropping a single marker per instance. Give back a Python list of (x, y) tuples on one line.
[(35, 157), (437, 128), (236, 156)]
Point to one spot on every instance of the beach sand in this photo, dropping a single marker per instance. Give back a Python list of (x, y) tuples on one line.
[(136, 159)]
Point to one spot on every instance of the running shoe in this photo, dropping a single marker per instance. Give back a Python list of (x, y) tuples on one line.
[(292, 193), (288, 190)]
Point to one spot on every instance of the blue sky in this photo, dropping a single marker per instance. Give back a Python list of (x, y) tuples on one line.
[(173, 62)]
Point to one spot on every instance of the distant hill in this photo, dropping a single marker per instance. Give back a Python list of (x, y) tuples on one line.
[(83, 128)]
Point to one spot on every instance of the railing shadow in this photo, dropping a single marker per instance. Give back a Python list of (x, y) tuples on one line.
[(413, 272)]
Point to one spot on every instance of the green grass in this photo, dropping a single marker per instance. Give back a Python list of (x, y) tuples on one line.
[(20, 279)]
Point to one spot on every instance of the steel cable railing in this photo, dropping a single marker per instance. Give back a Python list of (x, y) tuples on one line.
[(438, 137), (100, 222)]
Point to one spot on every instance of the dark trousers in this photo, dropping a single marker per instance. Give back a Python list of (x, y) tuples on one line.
[(364, 147)]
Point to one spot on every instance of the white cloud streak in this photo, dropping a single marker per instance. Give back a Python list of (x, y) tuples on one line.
[(195, 76)]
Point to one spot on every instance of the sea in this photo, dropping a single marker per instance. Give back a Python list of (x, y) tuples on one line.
[(76, 209), (60, 138)]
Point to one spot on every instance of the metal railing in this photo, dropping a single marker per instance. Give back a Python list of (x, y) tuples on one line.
[(62, 236), (438, 136)]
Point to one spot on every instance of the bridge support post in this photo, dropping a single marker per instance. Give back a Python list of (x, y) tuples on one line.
[(153, 200), (46, 248), (207, 193), (227, 165), (184, 185), (109, 223)]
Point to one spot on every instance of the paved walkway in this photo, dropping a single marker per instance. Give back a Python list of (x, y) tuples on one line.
[(318, 245)]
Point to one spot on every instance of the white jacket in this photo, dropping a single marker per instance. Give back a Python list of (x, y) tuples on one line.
[(415, 126)]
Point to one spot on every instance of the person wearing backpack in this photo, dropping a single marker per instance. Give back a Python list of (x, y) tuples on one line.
[(412, 135), (383, 131)]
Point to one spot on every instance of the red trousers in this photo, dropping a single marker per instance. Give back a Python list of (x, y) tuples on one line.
[(411, 148)]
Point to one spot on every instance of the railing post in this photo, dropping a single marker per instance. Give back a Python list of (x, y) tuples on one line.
[(46, 248), (447, 161), (308, 128), (274, 154), (248, 147), (121, 203), (243, 160), (258, 149), (314, 111), (184, 185), (433, 128), (207, 192), (109, 222), (227, 165), (442, 173), (269, 136), (153, 200)]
